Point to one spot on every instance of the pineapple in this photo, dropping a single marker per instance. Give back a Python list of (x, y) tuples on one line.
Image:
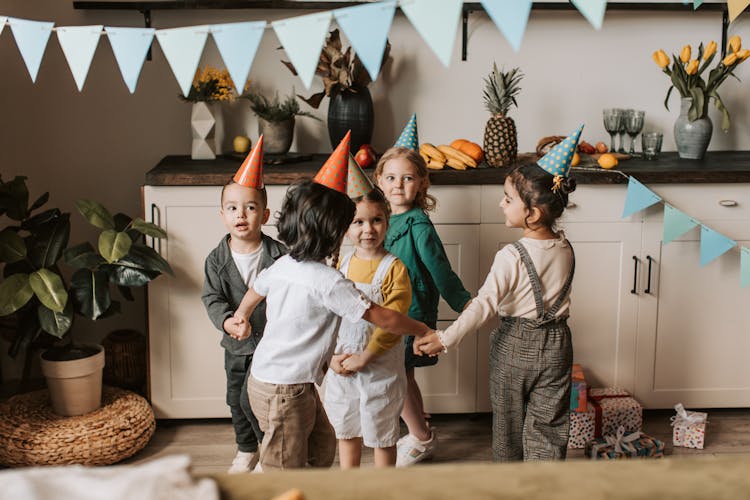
[(500, 136)]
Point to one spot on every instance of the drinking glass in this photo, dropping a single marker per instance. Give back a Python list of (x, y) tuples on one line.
[(633, 126), (623, 128), (612, 119), (651, 142)]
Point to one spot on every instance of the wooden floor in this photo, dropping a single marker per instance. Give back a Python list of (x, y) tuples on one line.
[(462, 438)]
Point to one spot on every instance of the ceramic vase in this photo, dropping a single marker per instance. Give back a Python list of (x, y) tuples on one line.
[(691, 137), (351, 111), (207, 129), (277, 136)]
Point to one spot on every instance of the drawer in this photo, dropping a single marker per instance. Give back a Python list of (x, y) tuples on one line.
[(455, 204), (705, 201)]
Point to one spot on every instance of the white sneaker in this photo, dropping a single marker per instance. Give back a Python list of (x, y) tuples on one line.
[(410, 450), (258, 469), (243, 462)]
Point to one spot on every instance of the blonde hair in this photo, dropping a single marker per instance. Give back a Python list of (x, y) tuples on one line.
[(425, 201)]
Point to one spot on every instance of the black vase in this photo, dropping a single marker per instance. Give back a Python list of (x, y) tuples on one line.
[(351, 111)]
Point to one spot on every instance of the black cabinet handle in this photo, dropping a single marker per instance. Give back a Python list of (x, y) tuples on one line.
[(648, 282), (154, 209), (634, 291)]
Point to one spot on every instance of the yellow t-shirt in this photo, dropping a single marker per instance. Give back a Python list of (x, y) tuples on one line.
[(396, 291)]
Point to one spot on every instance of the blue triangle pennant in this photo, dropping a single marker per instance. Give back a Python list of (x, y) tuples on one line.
[(638, 197), (130, 46), (510, 17), (237, 44), (713, 245), (2, 23), (436, 23), (302, 38), (744, 267), (31, 39), (183, 48), (592, 10), (78, 45), (676, 223), (697, 3), (367, 28)]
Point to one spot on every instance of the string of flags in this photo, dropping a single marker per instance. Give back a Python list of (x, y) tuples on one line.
[(366, 26)]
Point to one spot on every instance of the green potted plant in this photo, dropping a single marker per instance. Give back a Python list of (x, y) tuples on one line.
[(45, 302), (276, 120)]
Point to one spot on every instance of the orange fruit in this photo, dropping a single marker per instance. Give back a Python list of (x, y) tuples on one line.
[(576, 160), (607, 161)]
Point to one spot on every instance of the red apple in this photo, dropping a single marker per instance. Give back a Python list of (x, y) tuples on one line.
[(365, 157)]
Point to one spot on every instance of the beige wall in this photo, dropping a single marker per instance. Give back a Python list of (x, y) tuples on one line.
[(99, 143)]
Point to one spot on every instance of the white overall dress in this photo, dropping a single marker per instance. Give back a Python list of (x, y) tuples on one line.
[(368, 403)]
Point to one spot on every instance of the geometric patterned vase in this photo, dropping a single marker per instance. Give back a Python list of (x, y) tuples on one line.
[(202, 124)]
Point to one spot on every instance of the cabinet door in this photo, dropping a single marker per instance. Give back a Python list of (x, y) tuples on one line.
[(693, 337), (450, 386)]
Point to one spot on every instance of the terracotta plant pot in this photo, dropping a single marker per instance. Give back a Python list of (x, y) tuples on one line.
[(75, 386)]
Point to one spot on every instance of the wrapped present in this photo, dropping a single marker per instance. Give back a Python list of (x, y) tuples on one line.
[(579, 390), (622, 445), (607, 410), (688, 427)]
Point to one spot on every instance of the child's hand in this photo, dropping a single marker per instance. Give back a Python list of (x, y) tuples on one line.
[(428, 344), (336, 364), (356, 362), (238, 328)]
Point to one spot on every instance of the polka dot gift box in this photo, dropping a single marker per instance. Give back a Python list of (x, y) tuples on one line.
[(689, 428), (608, 409)]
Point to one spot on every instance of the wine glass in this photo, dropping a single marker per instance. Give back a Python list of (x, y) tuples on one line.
[(623, 129), (633, 126), (612, 119)]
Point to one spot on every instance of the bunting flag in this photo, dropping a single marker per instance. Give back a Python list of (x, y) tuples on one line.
[(130, 46), (510, 18), (713, 245), (31, 38), (237, 44), (367, 26), (697, 3), (436, 23), (2, 23), (302, 38), (638, 197), (676, 223), (183, 48), (78, 45), (736, 7), (744, 267), (592, 10)]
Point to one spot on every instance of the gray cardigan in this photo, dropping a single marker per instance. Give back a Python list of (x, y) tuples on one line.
[(223, 289)]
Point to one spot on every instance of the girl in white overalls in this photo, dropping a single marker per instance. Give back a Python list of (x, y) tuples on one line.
[(365, 388)]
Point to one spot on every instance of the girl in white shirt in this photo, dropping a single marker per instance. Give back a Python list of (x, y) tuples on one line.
[(528, 288), (305, 301)]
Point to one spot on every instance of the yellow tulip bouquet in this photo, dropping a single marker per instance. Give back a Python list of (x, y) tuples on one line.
[(211, 84), (686, 72)]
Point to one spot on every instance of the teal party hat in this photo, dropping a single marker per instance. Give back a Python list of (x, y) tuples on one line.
[(409, 138), (557, 161)]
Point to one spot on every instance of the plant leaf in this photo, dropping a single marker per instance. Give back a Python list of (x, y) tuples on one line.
[(666, 100), (55, 323), (290, 66), (91, 292), (126, 274), (46, 244), (122, 221), (14, 198), (82, 255), (15, 292), (725, 122), (314, 100), (49, 289), (96, 214), (148, 228), (33, 223), (12, 247), (114, 309), (696, 107), (22, 266), (126, 293), (39, 202), (28, 331), (114, 245), (149, 259)]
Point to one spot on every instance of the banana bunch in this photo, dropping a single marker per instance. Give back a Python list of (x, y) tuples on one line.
[(438, 157)]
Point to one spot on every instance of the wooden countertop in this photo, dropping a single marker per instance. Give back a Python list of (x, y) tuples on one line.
[(715, 167)]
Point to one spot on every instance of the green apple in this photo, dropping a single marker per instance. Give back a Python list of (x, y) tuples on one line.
[(241, 144)]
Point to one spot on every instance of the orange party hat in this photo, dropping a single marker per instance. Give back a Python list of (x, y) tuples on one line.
[(334, 172), (358, 184), (250, 173)]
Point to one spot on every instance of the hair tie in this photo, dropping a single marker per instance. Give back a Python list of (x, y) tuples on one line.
[(557, 183)]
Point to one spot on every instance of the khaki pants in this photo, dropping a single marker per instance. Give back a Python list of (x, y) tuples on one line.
[(297, 430)]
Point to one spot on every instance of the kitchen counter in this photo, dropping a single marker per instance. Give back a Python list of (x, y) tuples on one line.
[(715, 167)]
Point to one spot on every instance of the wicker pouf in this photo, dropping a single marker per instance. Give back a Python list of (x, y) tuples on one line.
[(30, 434)]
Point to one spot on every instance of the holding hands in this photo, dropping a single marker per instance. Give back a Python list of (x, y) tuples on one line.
[(348, 364), (237, 327), (428, 343)]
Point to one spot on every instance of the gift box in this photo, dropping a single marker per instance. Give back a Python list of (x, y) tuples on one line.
[(607, 410), (623, 445), (579, 390), (689, 427)]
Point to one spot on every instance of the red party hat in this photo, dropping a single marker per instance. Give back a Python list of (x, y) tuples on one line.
[(250, 173), (334, 172)]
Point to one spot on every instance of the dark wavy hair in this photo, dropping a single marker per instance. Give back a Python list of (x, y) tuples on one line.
[(313, 220), (534, 186)]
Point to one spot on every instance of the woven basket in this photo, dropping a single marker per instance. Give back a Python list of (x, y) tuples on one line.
[(125, 352), (31, 434)]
